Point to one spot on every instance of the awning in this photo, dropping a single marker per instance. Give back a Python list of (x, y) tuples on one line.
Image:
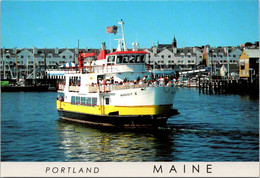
[(69, 65)]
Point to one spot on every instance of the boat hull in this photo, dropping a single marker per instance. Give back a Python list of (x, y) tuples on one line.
[(132, 121)]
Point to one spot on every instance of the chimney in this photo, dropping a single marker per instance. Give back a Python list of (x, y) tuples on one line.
[(77, 50), (56, 50), (154, 50), (35, 50), (14, 50), (174, 50), (194, 49)]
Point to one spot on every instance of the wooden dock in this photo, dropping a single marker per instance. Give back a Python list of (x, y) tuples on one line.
[(225, 86)]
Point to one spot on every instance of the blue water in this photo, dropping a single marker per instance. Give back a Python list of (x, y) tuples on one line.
[(208, 128)]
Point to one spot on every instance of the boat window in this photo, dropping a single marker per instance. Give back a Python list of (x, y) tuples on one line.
[(88, 100), (138, 59), (73, 100), (107, 101), (119, 59), (132, 59), (125, 59), (94, 101), (77, 100), (83, 100), (111, 59), (74, 81), (142, 59)]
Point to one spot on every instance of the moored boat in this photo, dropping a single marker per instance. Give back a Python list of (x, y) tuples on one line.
[(115, 89)]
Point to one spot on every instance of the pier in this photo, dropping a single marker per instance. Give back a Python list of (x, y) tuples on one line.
[(225, 86)]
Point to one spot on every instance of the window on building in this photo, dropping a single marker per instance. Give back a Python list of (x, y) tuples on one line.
[(169, 56), (41, 62), (234, 56), (162, 56)]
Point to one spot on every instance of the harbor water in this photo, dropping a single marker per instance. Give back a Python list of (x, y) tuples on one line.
[(208, 128)]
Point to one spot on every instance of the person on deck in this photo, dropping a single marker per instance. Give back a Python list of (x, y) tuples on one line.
[(148, 79), (125, 79)]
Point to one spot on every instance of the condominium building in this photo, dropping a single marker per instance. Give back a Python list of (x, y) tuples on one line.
[(20, 62)]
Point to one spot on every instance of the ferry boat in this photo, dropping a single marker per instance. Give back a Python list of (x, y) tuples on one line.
[(109, 91)]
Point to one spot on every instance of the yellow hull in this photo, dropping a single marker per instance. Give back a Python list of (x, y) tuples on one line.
[(122, 110)]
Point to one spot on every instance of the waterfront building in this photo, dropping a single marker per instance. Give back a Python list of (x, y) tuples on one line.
[(168, 56), (249, 64), (19, 63)]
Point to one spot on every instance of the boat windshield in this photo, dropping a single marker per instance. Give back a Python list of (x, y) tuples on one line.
[(126, 59)]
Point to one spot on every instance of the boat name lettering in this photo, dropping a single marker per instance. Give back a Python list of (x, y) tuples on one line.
[(126, 94)]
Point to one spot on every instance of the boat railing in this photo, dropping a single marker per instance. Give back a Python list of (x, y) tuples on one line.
[(117, 68), (74, 88), (61, 87), (103, 88)]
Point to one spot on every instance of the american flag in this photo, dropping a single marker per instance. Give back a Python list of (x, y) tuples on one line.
[(112, 29)]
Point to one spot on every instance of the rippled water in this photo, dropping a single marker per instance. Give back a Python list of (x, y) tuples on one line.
[(208, 128)]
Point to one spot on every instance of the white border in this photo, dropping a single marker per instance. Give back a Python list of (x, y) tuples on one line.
[(130, 169)]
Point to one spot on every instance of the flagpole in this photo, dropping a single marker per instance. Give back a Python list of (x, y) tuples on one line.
[(110, 40)]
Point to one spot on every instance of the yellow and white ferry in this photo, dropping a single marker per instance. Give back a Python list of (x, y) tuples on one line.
[(109, 91)]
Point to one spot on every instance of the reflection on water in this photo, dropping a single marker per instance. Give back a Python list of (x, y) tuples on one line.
[(88, 144)]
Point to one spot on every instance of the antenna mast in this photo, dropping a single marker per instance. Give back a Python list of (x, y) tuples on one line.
[(121, 23)]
